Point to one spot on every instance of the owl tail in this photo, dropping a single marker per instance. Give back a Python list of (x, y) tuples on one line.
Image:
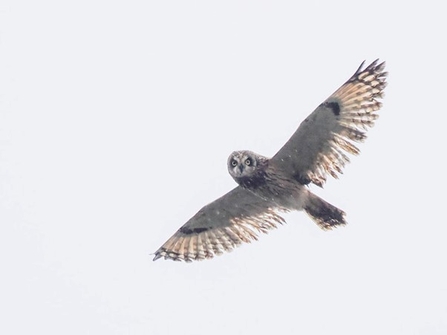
[(325, 215)]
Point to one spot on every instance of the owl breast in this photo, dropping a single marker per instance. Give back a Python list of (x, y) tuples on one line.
[(253, 182), (270, 186)]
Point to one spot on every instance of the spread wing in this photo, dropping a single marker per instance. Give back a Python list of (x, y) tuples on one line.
[(236, 217), (319, 145)]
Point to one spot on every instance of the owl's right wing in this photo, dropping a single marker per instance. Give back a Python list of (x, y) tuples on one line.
[(319, 146), (236, 217)]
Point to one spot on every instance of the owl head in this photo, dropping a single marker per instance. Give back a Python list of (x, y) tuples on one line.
[(242, 164)]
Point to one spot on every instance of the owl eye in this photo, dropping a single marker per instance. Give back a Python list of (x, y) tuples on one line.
[(233, 163), (248, 162)]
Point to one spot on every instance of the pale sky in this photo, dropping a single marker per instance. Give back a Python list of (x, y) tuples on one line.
[(116, 121)]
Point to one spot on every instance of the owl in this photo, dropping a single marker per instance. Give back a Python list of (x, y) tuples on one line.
[(269, 187)]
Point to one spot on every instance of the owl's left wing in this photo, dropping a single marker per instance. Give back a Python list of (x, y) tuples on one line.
[(236, 217), (320, 144)]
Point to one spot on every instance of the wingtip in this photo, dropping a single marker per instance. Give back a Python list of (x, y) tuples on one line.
[(374, 66), (156, 255), (359, 69)]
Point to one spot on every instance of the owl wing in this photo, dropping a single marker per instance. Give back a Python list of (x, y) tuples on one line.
[(319, 145), (236, 217)]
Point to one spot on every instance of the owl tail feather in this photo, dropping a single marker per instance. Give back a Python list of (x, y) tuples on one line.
[(325, 215)]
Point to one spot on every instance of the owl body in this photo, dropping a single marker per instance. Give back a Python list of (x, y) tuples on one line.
[(258, 175), (268, 187)]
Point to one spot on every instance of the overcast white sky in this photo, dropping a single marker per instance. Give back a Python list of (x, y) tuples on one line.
[(116, 120)]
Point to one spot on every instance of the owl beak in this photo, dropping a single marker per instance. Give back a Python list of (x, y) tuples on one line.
[(241, 168)]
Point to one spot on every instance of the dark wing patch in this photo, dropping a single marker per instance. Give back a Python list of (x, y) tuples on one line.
[(321, 142), (189, 231), (221, 226), (335, 106)]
